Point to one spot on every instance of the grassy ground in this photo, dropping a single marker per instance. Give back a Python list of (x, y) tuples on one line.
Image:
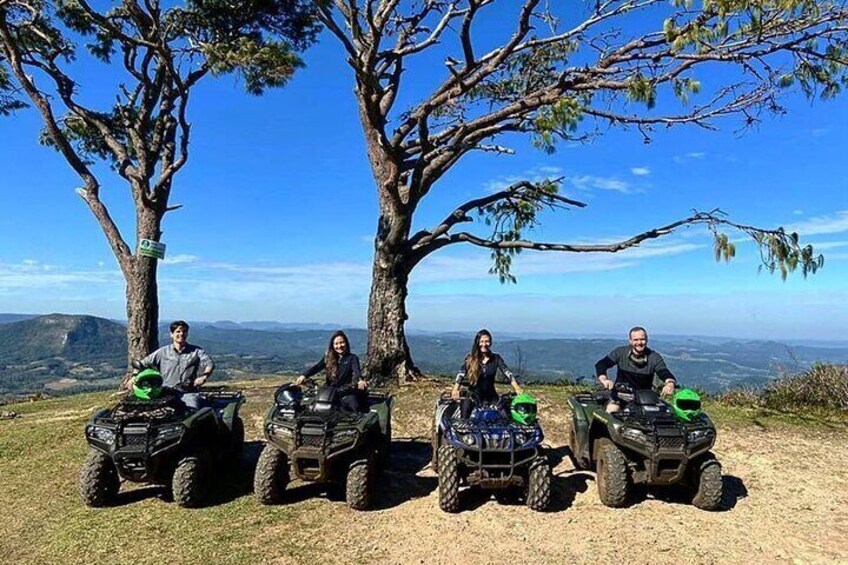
[(45, 522)]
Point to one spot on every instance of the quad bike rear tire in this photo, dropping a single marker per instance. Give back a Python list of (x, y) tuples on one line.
[(237, 439), (580, 463), (706, 483), (435, 444), (98, 479), (448, 479), (614, 484), (386, 448), (272, 475)]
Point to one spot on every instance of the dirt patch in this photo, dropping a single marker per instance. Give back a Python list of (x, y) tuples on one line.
[(785, 494)]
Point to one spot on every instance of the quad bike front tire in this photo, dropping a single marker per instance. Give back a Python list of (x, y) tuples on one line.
[(448, 479), (359, 484), (706, 483), (272, 475), (98, 479), (613, 480), (190, 483), (539, 485)]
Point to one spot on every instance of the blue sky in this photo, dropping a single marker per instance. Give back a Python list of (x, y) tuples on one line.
[(279, 213)]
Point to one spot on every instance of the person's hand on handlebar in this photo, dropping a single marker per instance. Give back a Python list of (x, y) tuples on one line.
[(606, 382), (668, 388), (362, 384), (455, 392), (300, 380)]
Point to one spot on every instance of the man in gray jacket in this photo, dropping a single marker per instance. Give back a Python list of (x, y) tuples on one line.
[(180, 362)]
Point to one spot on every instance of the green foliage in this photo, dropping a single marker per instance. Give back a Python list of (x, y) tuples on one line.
[(683, 87), (164, 52), (779, 251), (822, 388), (642, 89), (555, 121), (782, 252), (512, 216), (9, 101), (724, 248), (262, 66)]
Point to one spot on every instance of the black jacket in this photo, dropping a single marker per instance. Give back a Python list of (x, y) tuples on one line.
[(346, 377), (484, 388), (639, 377)]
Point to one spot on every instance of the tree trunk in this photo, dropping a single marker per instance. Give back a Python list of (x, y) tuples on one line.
[(142, 308), (388, 354), (142, 293)]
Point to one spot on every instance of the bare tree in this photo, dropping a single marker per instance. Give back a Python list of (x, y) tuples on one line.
[(555, 75), (160, 52)]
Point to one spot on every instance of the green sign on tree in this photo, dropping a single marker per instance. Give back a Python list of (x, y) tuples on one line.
[(150, 248)]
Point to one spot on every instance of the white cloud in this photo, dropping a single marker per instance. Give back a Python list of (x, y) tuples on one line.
[(536, 174), (180, 259), (590, 182), (640, 171), (475, 265), (31, 276), (29, 262), (692, 155), (825, 245), (834, 223), (798, 212)]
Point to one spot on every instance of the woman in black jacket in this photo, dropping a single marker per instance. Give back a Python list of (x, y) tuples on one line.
[(479, 371), (342, 371)]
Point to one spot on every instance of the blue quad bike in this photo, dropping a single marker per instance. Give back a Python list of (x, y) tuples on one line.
[(151, 436), (490, 450), (649, 442)]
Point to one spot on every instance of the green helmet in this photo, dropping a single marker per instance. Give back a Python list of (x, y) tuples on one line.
[(523, 409), (686, 404), (147, 385)]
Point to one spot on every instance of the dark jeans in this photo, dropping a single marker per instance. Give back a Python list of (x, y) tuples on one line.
[(466, 405), (192, 400), (354, 401)]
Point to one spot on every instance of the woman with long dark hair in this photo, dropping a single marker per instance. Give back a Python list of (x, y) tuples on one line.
[(479, 371), (341, 368)]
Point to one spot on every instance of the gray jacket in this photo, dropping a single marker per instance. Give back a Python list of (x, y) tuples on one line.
[(179, 367)]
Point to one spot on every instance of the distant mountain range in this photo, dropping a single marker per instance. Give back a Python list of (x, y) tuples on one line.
[(62, 353)]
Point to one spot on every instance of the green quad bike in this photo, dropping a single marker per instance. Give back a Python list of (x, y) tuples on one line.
[(151, 436), (498, 447), (647, 442), (310, 435)]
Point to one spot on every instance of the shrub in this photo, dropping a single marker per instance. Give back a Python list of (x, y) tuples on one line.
[(823, 386)]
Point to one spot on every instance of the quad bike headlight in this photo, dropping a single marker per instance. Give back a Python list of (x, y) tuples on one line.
[(166, 433), (699, 436), (98, 433), (635, 435), (280, 431), (344, 436), (468, 439)]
